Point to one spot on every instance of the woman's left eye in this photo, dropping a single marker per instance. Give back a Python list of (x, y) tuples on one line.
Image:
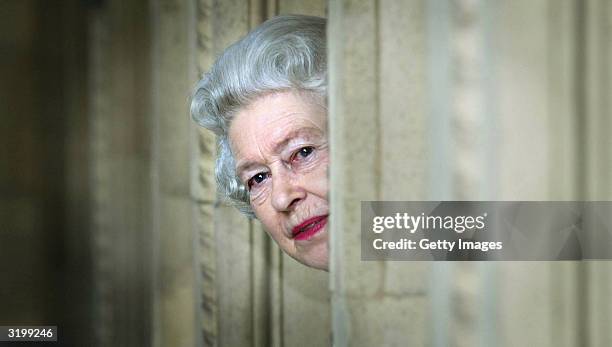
[(303, 152)]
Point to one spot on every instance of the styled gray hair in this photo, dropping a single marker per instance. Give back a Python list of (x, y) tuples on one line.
[(284, 53)]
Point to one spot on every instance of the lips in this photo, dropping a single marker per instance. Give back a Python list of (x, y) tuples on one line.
[(308, 228)]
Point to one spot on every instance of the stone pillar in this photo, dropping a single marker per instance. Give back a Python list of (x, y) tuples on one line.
[(594, 91), (466, 100), (173, 141), (78, 327), (120, 124), (378, 134)]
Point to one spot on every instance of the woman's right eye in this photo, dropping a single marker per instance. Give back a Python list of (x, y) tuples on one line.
[(257, 179)]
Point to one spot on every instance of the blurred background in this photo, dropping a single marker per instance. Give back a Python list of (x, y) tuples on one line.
[(111, 228), (110, 221), (45, 238)]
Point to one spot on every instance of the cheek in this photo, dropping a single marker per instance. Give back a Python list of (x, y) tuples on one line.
[(269, 220), (318, 180), (258, 198)]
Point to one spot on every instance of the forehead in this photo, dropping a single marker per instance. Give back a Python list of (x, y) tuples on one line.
[(269, 120)]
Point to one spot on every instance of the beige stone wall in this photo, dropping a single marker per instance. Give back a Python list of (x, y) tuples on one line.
[(165, 249), (429, 100), (467, 100), (379, 152), (121, 164), (111, 227), (44, 261)]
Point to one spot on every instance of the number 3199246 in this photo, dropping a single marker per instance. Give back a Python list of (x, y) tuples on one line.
[(19, 333)]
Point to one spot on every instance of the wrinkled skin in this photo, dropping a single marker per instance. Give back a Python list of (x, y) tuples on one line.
[(281, 149)]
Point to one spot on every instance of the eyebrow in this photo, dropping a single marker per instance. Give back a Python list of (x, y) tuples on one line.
[(278, 147)]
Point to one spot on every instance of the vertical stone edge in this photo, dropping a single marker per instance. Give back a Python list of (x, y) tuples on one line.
[(203, 188), (99, 103), (173, 35), (353, 104), (597, 108), (565, 299)]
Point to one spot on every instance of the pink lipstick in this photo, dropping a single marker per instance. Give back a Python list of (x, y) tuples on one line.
[(308, 228)]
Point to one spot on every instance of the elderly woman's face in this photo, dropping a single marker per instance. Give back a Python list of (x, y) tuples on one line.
[(280, 145)]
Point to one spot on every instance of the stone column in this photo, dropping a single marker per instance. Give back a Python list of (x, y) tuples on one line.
[(120, 124), (378, 134), (173, 140), (467, 100), (594, 91)]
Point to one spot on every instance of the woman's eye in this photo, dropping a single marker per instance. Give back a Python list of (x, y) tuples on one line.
[(257, 179), (303, 152)]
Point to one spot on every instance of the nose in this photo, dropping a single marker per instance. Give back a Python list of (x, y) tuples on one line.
[(286, 191)]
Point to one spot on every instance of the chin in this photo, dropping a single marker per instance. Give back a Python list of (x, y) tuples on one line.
[(322, 266), (315, 252), (317, 260), (316, 265)]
